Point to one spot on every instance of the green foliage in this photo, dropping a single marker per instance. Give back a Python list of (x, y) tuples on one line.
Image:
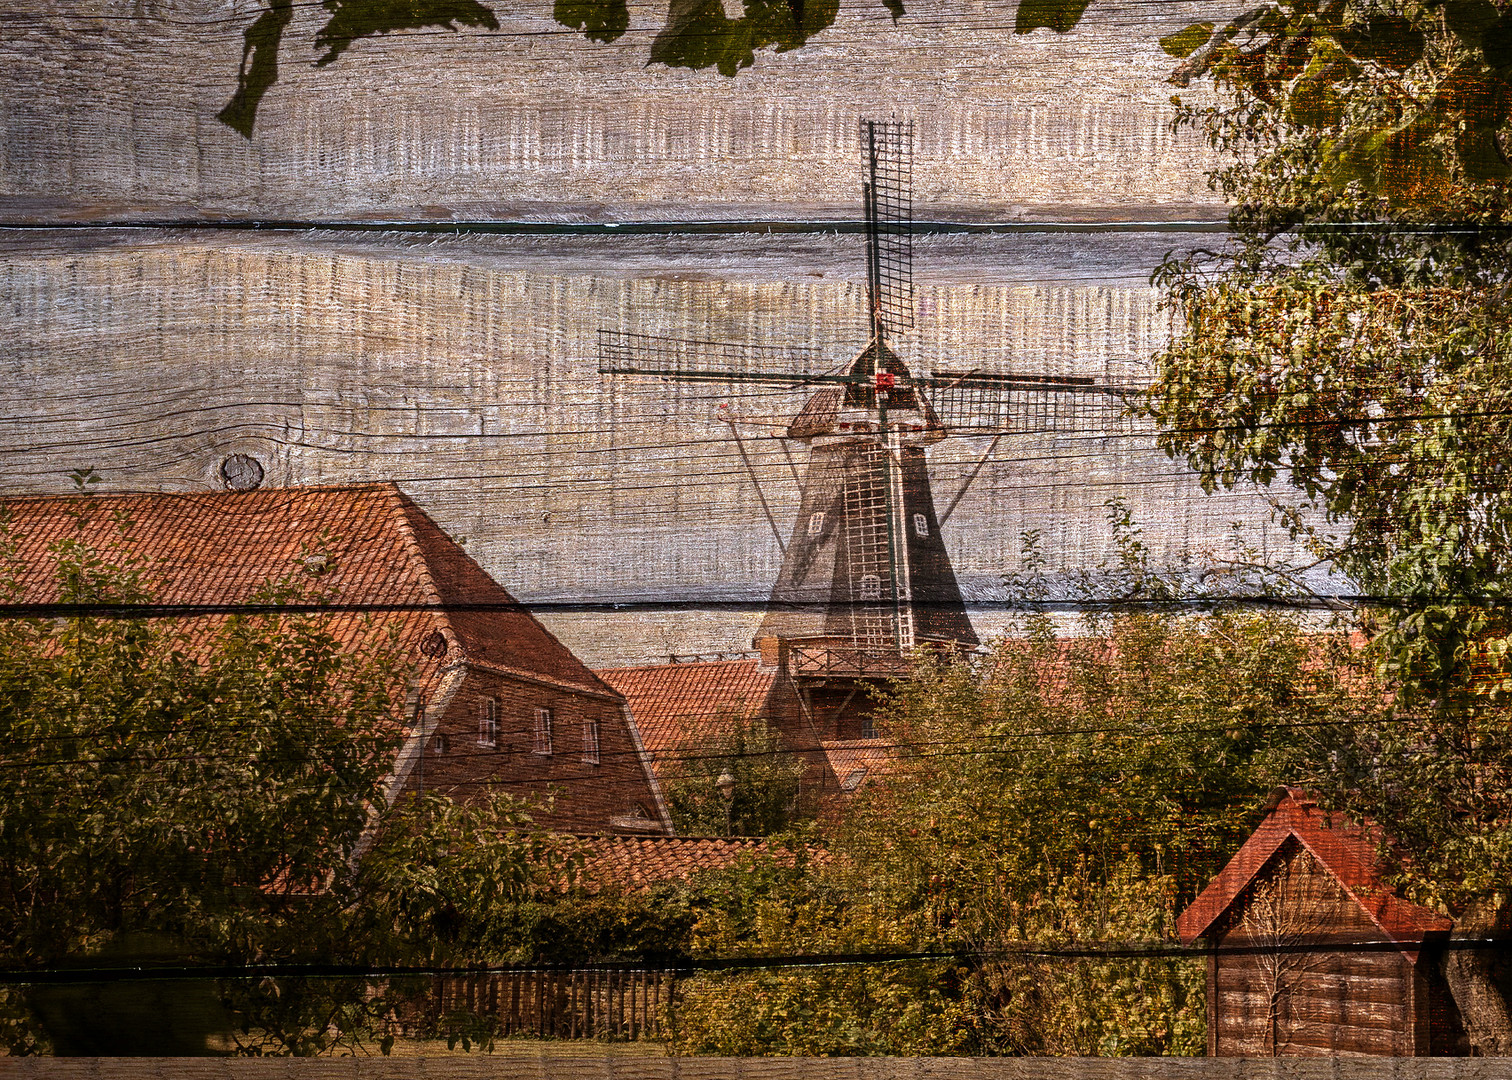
[(599, 20), (1184, 43), (765, 798), (1395, 104), (1352, 344), (1076, 792), (1058, 15), (697, 33), (1095, 1006), (1061, 794), (259, 66), (783, 905), (904, 1008), (352, 20), (197, 794)]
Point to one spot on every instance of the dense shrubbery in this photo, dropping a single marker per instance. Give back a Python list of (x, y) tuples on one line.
[(190, 795)]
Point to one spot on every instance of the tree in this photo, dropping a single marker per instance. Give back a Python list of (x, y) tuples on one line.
[(198, 794), (1352, 343), (764, 780), (1060, 795)]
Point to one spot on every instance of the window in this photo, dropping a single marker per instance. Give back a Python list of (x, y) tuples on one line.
[(440, 745), (543, 731), (488, 723), (921, 525), (816, 523), (853, 780), (590, 741), (871, 587)]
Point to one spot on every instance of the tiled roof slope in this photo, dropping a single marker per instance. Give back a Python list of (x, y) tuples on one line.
[(1347, 851), (668, 699), (855, 761), (639, 862), (222, 548)]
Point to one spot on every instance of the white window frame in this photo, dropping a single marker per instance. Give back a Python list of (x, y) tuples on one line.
[(543, 731), (590, 740), (870, 587), (488, 723), (921, 525), (816, 523)]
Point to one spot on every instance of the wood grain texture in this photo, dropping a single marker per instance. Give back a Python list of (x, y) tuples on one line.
[(108, 108), (1273, 998), (465, 370), (516, 1063)]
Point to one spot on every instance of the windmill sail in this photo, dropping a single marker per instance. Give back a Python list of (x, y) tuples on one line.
[(887, 195), (694, 360), (988, 403)]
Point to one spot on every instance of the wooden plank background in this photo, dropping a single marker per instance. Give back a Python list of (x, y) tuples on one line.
[(108, 108), (465, 370), (462, 366)]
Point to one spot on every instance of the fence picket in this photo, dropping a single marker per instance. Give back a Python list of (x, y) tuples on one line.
[(580, 1004)]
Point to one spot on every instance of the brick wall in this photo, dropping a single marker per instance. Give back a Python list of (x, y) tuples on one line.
[(573, 793)]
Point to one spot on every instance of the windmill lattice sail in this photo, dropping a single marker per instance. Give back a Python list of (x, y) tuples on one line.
[(887, 195), (693, 360)]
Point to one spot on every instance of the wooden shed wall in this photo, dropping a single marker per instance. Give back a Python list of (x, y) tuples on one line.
[(1275, 996)]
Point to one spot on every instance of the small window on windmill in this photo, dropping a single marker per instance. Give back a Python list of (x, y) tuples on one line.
[(488, 723), (871, 587), (853, 780), (543, 731), (921, 525), (816, 523), (440, 745)]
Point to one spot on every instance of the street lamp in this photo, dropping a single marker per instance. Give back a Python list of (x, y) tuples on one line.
[(726, 786)]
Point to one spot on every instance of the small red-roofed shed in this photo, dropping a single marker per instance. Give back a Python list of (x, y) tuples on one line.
[(1312, 953)]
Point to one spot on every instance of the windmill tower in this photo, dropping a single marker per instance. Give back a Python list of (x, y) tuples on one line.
[(866, 579)]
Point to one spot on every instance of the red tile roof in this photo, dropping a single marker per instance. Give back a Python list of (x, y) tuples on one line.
[(670, 700), (1348, 852), (855, 761), (639, 862), (223, 548)]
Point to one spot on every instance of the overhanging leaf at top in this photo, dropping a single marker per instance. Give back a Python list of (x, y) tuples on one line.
[(1058, 15)]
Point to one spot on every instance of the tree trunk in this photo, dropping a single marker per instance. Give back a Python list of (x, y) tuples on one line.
[(1469, 972)]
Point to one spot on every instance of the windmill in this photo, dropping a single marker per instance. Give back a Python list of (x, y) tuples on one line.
[(866, 579)]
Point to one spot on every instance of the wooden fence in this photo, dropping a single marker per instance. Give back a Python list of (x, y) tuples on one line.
[(586, 1004)]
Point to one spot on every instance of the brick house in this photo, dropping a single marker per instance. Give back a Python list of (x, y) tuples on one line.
[(493, 700), (1312, 952)]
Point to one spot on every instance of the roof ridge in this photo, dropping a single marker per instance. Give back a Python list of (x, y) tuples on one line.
[(1290, 813), (590, 683), (673, 664), (608, 693), (402, 504), (135, 493)]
